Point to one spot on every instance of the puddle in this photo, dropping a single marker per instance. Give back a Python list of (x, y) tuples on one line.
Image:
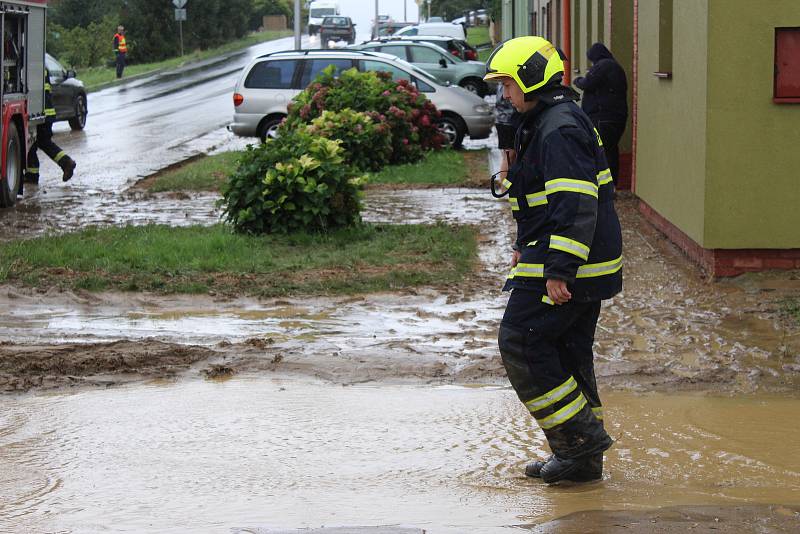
[(212, 456)]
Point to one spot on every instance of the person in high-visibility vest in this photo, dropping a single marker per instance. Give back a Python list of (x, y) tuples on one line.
[(44, 140), (120, 49)]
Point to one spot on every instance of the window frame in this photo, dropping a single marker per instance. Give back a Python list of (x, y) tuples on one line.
[(776, 98)]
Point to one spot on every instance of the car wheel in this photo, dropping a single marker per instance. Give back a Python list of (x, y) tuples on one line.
[(453, 130), (12, 176), (269, 129), (78, 122), (474, 86)]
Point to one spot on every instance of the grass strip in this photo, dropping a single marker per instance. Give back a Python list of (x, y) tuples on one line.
[(204, 174), (445, 167), (95, 77), (199, 259), (478, 35)]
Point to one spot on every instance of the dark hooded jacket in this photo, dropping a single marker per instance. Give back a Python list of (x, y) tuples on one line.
[(604, 87)]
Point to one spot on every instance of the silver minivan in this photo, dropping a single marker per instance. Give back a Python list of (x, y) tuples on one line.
[(270, 82)]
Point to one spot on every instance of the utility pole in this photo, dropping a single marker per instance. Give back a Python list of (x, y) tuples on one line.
[(377, 28), (297, 25), (405, 13)]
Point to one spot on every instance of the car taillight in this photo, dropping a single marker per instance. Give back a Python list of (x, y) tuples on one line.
[(237, 99), (471, 55), (454, 52)]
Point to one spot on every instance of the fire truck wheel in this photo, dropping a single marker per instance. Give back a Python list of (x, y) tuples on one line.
[(12, 170)]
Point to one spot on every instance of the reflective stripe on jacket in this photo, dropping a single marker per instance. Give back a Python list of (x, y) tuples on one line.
[(561, 197)]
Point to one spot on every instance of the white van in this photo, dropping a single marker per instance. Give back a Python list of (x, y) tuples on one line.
[(317, 11), (456, 31)]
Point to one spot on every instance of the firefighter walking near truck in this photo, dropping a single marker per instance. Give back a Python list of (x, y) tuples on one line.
[(567, 258), (44, 140)]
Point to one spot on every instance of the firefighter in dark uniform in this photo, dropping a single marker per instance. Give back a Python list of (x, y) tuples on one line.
[(567, 258), (44, 140)]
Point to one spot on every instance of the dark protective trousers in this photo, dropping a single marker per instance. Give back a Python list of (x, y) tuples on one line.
[(611, 132), (547, 353), (120, 64), (44, 140)]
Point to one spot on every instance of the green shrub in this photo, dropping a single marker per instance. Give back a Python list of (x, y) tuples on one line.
[(83, 47), (410, 117), (367, 145), (297, 181)]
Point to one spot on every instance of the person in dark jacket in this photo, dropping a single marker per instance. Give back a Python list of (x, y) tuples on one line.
[(567, 258), (605, 101)]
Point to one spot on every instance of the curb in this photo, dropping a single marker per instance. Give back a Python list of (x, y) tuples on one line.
[(125, 80), (191, 63)]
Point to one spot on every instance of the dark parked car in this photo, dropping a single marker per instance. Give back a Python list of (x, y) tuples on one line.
[(69, 95), (337, 29)]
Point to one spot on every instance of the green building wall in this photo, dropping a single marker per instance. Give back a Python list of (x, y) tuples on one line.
[(672, 122), (753, 145)]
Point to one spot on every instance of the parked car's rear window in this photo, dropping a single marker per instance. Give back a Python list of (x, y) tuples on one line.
[(314, 66), (335, 21), (271, 75)]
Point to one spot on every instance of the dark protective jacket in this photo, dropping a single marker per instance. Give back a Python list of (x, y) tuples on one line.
[(605, 87), (49, 108), (561, 196)]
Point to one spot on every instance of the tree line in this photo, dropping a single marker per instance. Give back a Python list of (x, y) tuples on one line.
[(80, 32)]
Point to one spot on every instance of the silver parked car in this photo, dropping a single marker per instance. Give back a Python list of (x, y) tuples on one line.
[(436, 61), (270, 82)]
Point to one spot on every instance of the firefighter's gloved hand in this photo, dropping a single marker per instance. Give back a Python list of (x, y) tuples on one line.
[(557, 291)]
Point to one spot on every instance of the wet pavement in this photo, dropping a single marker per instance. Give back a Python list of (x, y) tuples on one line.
[(268, 453), (134, 130)]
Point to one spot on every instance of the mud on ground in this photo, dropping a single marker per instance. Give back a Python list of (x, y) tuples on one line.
[(718, 519), (670, 329)]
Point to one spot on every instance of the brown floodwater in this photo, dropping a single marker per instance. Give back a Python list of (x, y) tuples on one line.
[(218, 455)]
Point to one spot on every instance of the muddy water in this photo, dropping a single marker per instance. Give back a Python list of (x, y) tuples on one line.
[(209, 456)]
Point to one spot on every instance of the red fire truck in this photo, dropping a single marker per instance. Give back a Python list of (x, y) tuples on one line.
[(22, 25)]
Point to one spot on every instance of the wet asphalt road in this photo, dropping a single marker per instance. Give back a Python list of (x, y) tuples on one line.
[(133, 130)]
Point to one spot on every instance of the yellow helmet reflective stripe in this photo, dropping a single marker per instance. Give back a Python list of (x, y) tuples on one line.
[(531, 61)]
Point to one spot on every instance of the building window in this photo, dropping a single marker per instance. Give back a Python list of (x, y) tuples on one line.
[(548, 24), (601, 21), (664, 39), (577, 55), (589, 25), (558, 23), (787, 65)]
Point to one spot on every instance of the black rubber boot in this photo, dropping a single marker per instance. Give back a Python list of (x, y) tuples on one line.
[(31, 178), (593, 470), (68, 165), (583, 469), (534, 469)]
